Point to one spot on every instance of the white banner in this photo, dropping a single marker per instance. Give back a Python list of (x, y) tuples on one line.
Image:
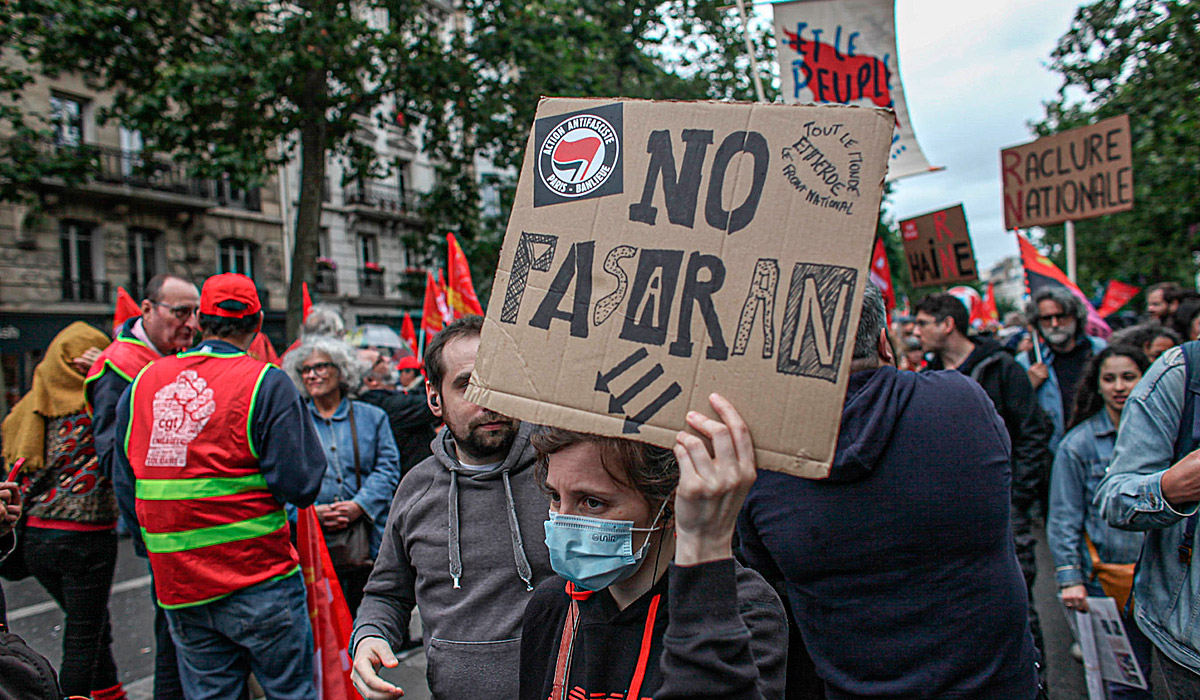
[(844, 51)]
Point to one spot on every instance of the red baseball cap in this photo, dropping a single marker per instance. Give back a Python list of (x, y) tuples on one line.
[(229, 295), (408, 362)]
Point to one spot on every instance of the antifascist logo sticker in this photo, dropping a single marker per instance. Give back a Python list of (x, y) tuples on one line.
[(578, 156)]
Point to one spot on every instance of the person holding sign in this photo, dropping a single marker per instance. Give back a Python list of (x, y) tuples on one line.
[(1086, 549), (648, 601)]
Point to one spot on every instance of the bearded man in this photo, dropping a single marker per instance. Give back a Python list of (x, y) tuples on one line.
[(470, 582), (1059, 317)]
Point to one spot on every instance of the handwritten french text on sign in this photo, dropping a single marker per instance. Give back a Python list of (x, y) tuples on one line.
[(938, 248), (1073, 175), (661, 251), (844, 52)]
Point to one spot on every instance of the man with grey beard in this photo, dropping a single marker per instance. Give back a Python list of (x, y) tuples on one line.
[(1059, 317)]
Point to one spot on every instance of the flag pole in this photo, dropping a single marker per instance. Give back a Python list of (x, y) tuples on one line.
[(758, 87), (1033, 332), (1070, 245)]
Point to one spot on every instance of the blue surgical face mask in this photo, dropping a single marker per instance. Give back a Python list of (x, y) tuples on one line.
[(594, 553)]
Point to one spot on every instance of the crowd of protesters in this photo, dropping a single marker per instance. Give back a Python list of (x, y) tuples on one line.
[(550, 564)]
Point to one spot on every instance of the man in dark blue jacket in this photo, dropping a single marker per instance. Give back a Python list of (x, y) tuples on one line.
[(900, 568)]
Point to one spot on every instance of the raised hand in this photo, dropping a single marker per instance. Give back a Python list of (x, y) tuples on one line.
[(712, 484)]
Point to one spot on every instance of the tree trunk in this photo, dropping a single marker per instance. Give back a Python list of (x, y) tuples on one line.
[(312, 183)]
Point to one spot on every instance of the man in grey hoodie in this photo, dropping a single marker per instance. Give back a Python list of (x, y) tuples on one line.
[(470, 582)]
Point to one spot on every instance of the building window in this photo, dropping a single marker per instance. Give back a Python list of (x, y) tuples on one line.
[(368, 249), (131, 150), (145, 247), (236, 255), (82, 263), (402, 181), (66, 116)]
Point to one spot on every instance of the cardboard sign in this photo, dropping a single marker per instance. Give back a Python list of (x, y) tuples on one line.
[(660, 251), (1077, 174), (938, 247)]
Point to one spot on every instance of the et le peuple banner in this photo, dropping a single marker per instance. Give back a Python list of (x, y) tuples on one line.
[(1069, 176), (938, 248), (661, 251)]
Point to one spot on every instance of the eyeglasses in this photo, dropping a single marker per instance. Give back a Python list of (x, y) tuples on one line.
[(321, 369), (182, 313), (1047, 319)]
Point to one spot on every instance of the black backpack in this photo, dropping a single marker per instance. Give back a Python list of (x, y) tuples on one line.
[(24, 673)]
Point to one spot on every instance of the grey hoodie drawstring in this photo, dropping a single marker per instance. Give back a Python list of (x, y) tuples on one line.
[(523, 568), (455, 551)]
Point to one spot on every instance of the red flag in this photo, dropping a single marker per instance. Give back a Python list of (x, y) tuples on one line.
[(261, 349), (1040, 273), (443, 303), (327, 610), (126, 309), (989, 312), (460, 293), (307, 302), (431, 314), (1117, 295), (408, 333), (881, 274)]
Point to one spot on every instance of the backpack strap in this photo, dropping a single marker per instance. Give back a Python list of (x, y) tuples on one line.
[(1188, 437)]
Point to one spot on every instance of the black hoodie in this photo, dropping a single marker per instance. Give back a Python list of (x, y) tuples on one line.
[(899, 567)]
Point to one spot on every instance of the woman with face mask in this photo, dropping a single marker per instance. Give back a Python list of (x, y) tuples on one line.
[(1092, 558), (648, 601)]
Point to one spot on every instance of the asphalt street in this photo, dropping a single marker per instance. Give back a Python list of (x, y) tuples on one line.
[(34, 616)]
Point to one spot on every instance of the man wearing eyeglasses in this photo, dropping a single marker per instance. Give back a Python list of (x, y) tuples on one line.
[(1059, 317), (167, 325)]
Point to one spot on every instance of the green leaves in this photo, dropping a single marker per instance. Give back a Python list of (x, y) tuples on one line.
[(1140, 58)]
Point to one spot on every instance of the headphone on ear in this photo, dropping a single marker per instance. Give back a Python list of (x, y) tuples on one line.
[(435, 400)]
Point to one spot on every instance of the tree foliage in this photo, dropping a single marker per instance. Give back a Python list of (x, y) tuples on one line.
[(1140, 58), (234, 88)]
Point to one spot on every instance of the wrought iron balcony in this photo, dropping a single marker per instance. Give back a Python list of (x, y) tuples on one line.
[(116, 166), (370, 283), (373, 195), (325, 281)]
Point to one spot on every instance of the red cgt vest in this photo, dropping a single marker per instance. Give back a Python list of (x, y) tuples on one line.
[(126, 356), (209, 523)]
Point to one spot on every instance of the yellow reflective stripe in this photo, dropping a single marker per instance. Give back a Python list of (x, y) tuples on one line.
[(250, 411), (169, 542), (183, 489)]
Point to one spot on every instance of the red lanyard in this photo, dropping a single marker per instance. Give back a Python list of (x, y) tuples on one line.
[(566, 647)]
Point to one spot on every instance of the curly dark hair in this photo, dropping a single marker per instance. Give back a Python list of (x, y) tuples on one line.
[(1088, 401), (651, 470)]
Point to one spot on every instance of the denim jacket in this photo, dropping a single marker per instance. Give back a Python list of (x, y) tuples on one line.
[(1166, 592), (379, 463), (1082, 459), (1049, 393)]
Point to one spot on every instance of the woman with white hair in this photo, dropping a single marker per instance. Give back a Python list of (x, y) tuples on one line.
[(364, 467)]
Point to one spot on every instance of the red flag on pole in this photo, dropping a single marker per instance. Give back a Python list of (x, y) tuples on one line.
[(1117, 295), (307, 302), (989, 312), (408, 333), (1040, 273), (327, 610), (460, 293), (881, 274), (126, 309), (431, 313)]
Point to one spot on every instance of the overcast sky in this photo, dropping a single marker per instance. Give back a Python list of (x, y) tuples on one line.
[(974, 75)]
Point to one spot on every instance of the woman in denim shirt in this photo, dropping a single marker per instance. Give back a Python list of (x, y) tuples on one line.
[(1080, 464), (326, 370)]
